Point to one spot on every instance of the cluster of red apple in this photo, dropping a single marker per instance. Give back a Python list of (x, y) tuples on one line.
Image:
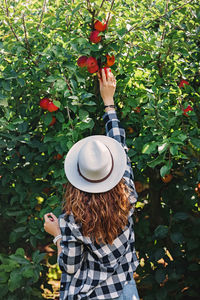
[(90, 62), (188, 108), (47, 104)]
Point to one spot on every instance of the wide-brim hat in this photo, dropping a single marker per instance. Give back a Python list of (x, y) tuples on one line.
[(95, 164)]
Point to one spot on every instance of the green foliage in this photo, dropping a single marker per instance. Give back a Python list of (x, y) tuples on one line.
[(156, 45), (20, 277)]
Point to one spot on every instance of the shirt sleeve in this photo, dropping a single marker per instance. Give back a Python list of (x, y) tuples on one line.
[(115, 131), (71, 256)]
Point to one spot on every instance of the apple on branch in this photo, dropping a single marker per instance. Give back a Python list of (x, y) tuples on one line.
[(44, 103), (92, 65), (82, 61), (106, 69), (52, 107), (100, 26), (95, 37), (110, 60)]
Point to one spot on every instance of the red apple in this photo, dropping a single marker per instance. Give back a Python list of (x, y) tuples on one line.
[(106, 71), (110, 60), (53, 121), (44, 103), (91, 62), (182, 82), (94, 37), (58, 156), (93, 69), (100, 26), (82, 61), (51, 107), (137, 109)]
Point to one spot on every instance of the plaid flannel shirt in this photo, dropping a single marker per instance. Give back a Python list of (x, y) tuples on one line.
[(90, 270)]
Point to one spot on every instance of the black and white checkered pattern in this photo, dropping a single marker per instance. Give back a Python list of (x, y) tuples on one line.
[(90, 270)]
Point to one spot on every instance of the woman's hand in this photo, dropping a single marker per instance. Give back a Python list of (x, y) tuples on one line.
[(107, 86), (51, 224)]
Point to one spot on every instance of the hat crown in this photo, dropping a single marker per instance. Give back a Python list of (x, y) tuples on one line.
[(94, 160)]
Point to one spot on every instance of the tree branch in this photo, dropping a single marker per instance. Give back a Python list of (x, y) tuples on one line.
[(9, 23), (25, 34), (111, 7), (41, 17)]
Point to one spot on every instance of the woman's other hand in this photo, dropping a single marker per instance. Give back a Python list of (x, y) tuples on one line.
[(51, 224)]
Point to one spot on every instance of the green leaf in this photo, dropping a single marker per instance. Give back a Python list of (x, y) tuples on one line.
[(60, 85), (3, 102), (149, 147), (155, 162), (166, 169), (161, 231), (28, 272), (174, 149), (47, 118), (37, 256), (175, 141), (87, 95), (57, 103), (60, 117), (3, 277), (195, 142), (15, 280), (177, 237), (51, 78), (23, 127), (89, 103), (20, 229), (83, 114), (21, 82), (163, 147), (6, 85), (181, 216), (19, 259)]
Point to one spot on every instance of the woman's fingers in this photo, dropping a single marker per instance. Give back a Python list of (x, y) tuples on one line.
[(53, 216), (103, 74), (49, 217)]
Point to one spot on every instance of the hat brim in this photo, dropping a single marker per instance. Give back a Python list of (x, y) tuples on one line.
[(119, 165)]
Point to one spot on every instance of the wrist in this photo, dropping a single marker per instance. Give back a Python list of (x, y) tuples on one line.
[(108, 101), (57, 233), (57, 238)]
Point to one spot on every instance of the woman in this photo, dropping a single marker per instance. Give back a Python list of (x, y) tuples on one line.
[(94, 235)]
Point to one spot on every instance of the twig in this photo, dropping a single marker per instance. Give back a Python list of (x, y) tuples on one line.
[(89, 6), (41, 17), (102, 3), (9, 23), (111, 7), (100, 7), (25, 34)]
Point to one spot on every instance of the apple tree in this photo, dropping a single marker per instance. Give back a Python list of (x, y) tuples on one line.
[(50, 52)]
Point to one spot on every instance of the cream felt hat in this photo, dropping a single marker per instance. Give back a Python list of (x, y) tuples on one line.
[(95, 164)]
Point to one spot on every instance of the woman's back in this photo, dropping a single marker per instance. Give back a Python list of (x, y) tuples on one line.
[(97, 271)]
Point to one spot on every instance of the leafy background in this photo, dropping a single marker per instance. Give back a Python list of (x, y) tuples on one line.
[(156, 45)]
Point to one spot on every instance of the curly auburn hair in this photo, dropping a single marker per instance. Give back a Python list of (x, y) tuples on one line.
[(102, 215)]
